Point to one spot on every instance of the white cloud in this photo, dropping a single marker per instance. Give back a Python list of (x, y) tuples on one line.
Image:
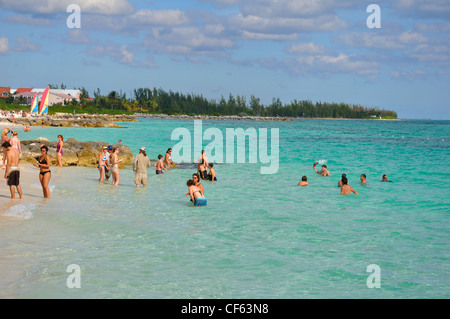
[(158, 17), (105, 7), (24, 45), (281, 25), (4, 45), (78, 36), (306, 48), (324, 65), (118, 53), (27, 20), (423, 8)]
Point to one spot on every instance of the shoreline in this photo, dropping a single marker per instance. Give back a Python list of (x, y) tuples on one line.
[(105, 120)]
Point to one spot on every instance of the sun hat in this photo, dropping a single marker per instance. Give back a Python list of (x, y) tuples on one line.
[(142, 148)]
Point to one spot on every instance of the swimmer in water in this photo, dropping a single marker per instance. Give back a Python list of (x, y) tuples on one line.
[(340, 182), (347, 189), (363, 179), (323, 172), (304, 181), (385, 178), (202, 170), (212, 173), (196, 194)]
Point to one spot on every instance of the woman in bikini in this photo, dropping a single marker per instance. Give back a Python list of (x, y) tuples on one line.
[(5, 139), (168, 158), (102, 163), (59, 151), (44, 170), (196, 194), (114, 159), (196, 180)]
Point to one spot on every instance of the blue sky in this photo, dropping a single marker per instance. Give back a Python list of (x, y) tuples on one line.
[(320, 50)]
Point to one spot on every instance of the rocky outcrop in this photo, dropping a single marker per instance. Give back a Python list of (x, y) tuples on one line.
[(82, 120), (74, 152)]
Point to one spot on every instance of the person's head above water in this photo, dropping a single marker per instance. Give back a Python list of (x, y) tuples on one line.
[(344, 175), (384, 178), (344, 181), (190, 182), (363, 176), (304, 178)]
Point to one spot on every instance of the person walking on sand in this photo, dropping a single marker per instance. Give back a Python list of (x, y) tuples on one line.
[(160, 165), (102, 163), (140, 164), (12, 172), (59, 151), (304, 181), (347, 189), (114, 160), (323, 172), (44, 170), (15, 142)]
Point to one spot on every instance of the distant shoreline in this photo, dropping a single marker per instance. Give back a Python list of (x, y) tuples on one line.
[(105, 120)]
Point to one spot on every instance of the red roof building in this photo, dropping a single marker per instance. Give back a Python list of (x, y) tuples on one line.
[(21, 90), (4, 91)]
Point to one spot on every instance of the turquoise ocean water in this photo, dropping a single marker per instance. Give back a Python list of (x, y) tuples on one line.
[(260, 236)]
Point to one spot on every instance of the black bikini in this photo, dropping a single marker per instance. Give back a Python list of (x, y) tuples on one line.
[(43, 162)]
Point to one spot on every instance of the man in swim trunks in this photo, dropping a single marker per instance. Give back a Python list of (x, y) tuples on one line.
[(347, 189), (323, 172), (12, 172), (160, 165), (140, 164), (304, 181)]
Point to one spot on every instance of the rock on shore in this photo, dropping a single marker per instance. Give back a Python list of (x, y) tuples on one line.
[(74, 152), (82, 120)]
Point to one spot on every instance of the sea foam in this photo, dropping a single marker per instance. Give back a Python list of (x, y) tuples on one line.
[(21, 211)]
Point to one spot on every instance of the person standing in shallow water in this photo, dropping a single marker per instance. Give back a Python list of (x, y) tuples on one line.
[(140, 164), (196, 194), (44, 170), (12, 172), (347, 189), (114, 160), (59, 151), (323, 172)]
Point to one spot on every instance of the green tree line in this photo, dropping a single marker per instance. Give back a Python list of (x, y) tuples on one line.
[(146, 100)]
